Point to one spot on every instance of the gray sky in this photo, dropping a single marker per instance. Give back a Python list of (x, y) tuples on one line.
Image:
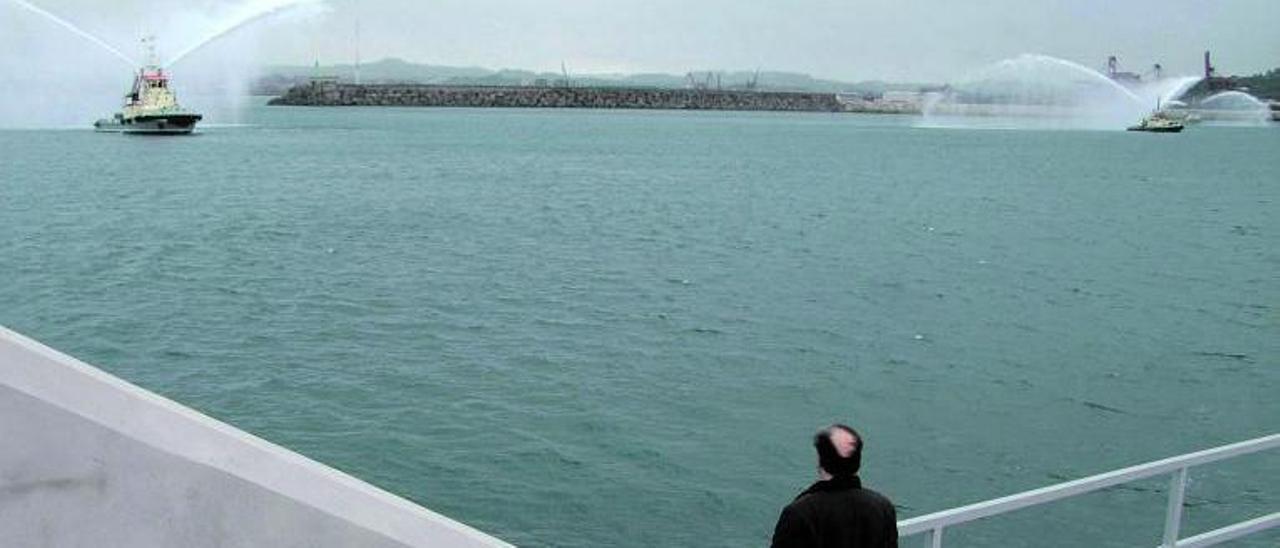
[(921, 40), (932, 40)]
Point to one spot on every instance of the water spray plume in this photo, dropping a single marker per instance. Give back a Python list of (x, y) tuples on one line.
[(1040, 91), (77, 30), (252, 13), (1234, 106), (1029, 62), (1233, 100), (1179, 88)]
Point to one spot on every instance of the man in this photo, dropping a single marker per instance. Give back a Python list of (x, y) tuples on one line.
[(836, 512)]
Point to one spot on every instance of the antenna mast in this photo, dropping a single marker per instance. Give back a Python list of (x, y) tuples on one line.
[(149, 49), (357, 50)]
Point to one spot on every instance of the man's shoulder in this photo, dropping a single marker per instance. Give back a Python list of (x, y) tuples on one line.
[(837, 514), (876, 497), (860, 496)]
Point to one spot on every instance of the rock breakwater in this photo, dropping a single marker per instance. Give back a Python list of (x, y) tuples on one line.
[(323, 93)]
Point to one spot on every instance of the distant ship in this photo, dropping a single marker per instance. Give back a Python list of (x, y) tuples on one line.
[(1158, 124), (1159, 121), (151, 107)]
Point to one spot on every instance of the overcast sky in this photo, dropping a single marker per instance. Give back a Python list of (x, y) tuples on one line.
[(899, 40)]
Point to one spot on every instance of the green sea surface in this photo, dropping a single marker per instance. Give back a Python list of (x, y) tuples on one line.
[(604, 328)]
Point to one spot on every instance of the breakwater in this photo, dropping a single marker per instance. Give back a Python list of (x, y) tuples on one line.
[(323, 93)]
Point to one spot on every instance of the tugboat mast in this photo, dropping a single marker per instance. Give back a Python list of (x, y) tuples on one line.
[(149, 48)]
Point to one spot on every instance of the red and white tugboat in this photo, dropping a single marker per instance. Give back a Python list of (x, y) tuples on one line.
[(151, 106)]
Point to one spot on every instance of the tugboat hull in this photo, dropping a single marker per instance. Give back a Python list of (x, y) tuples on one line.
[(1159, 129), (150, 124)]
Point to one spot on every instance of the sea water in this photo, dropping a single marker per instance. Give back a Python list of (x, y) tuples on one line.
[(595, 328)]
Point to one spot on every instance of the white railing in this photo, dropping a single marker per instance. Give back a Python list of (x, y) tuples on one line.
[(932, 525)]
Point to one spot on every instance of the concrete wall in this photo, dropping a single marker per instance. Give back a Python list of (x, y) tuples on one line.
[(87, 459)]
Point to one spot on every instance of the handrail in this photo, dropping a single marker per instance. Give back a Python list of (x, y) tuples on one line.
[(1231, 532), (934, 523)]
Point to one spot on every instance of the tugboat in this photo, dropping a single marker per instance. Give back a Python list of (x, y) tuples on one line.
[(150, 107), (1159, 122)]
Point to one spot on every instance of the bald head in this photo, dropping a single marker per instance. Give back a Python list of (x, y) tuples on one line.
[(844, 441), (839, 450)]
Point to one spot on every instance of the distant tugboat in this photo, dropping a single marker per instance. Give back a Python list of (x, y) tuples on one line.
[(150, 107), (1159, 122)]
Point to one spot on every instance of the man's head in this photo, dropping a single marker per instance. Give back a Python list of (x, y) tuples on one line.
[(839, 450)]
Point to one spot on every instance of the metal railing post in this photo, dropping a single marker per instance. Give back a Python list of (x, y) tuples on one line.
[(1173, 518), (933, 538)]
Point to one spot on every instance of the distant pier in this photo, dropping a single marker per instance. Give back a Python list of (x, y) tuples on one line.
[(329, 93)]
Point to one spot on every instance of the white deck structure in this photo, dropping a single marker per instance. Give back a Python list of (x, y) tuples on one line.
[(87, 459)]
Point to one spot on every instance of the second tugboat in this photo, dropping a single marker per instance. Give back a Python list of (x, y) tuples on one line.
[(1159, 121), (151, 107)]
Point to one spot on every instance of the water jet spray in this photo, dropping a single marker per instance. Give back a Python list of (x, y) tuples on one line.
[(247, 17), (24, 4)]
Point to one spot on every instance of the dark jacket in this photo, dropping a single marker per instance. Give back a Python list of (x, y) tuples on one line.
[(837, 513)]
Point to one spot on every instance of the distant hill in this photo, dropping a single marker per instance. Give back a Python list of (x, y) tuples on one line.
[(277, 79), (1265, 84)]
